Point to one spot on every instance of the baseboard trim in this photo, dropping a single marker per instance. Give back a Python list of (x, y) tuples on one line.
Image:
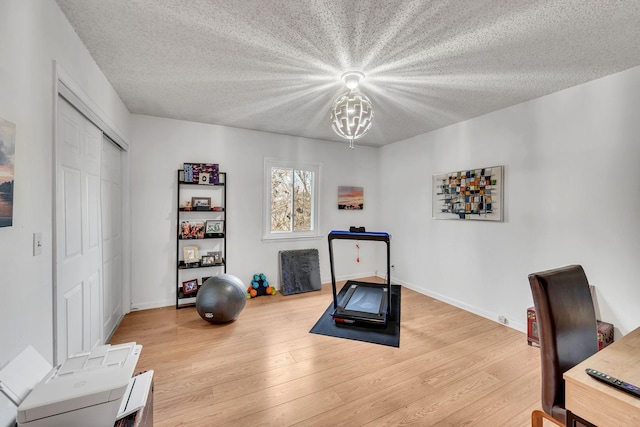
[(511, 323)]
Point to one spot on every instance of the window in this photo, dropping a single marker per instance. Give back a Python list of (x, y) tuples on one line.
[(291, 199)]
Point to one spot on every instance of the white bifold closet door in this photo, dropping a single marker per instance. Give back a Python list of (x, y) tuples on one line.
[(111, 176), (86, 234)]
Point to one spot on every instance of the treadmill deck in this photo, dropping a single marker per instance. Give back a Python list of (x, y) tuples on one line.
[(363, 302)]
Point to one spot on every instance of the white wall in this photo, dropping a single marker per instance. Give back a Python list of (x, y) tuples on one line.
[(572, 195), (33, 34), (163, 145)]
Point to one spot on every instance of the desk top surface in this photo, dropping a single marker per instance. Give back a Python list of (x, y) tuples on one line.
[(588, 397)]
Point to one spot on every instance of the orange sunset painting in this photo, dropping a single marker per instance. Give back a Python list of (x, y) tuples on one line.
[(351, 198), (7, 153)]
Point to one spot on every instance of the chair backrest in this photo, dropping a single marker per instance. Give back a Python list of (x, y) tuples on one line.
[(566, 326)]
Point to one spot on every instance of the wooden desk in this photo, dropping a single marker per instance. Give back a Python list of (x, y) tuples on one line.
[(597, 402)]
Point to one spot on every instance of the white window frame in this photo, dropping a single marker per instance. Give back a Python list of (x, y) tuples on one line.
[(314, 233)]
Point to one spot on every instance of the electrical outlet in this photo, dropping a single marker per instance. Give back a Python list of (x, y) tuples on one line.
[(503, 320), (37, 243)]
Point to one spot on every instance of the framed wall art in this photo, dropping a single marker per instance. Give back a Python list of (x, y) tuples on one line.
[(7, 154), (351, 198), (474, 194)]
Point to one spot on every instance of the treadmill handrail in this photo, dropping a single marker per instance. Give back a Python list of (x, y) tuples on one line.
[(367, 235)]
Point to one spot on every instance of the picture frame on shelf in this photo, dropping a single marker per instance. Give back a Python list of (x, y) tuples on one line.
[(190, 287), (217, 257), (192, 230), (214, 227), (207, 260), (191, 255), (201, 203), (204, 178)]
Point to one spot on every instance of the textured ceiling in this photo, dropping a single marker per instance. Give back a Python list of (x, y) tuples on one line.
[(275, 65)]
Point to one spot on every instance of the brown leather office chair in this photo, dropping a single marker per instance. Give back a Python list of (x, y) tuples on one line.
[(568, 333)]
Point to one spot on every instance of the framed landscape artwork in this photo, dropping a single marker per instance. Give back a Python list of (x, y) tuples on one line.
[(7, 152), (474, 194), (351, 198)]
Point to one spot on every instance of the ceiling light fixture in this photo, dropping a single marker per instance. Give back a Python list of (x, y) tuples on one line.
[(351, 113)]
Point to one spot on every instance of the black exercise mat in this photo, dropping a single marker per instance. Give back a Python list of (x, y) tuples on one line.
[(389, 335), (299, 271)]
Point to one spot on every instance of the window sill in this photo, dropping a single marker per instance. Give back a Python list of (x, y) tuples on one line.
[(271, 239)]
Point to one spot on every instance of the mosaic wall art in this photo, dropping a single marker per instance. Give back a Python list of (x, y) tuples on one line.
[(468, 194)]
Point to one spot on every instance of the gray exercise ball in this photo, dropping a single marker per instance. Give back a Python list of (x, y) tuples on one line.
[(221, 298)]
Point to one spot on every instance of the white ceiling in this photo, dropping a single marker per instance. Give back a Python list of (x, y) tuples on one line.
[(275, 65)]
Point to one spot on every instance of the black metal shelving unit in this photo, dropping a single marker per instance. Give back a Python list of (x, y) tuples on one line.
[(195, 271)]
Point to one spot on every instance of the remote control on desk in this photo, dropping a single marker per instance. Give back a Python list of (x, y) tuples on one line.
[(614, 382)]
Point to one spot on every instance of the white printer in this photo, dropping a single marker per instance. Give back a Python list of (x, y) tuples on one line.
[(87, 389)]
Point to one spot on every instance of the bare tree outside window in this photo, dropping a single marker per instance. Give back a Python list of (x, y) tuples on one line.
[(291, 200), (281, 192), (302, 200)]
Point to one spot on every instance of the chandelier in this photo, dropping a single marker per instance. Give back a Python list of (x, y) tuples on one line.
[(351, 113)]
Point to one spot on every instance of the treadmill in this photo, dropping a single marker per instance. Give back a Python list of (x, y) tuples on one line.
[(364, 303)]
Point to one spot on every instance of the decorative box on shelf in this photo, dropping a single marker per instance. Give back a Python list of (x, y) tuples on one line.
[(200, 173), (605, 334), (605, 331)]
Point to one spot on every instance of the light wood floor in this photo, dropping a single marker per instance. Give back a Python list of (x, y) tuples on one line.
[(453, 368)]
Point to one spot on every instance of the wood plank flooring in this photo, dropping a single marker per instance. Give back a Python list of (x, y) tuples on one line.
[(453, 368)]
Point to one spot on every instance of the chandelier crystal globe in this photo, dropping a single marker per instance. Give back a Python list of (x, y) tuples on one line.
[(351, 113)]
